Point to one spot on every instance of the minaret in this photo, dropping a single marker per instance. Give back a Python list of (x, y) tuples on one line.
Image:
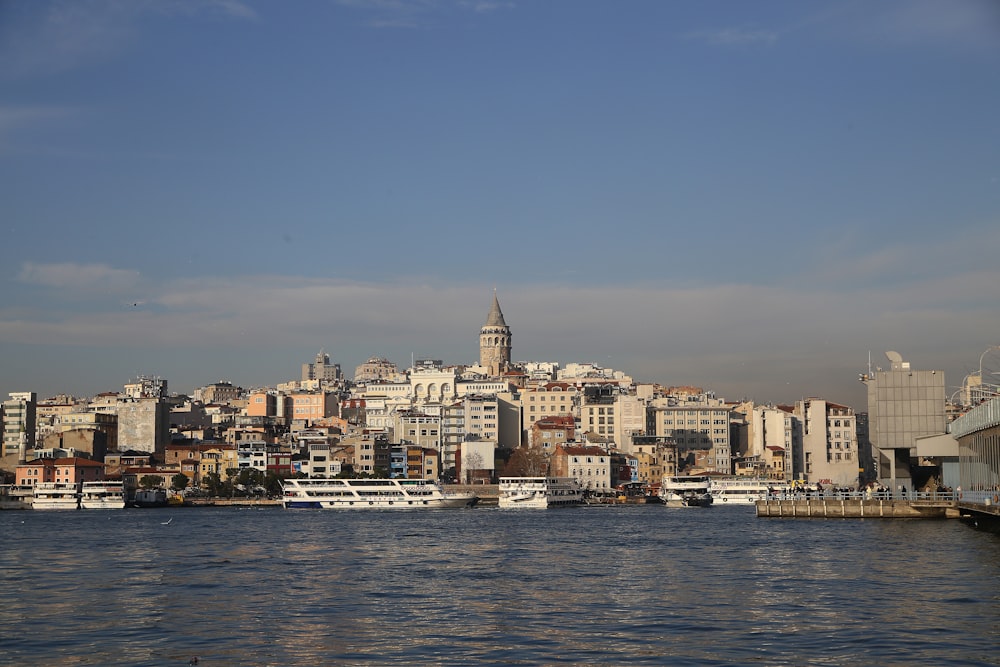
[(494, 341)]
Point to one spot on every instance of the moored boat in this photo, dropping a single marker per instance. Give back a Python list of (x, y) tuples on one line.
[(150, 498), (102, 495), (539, 492), (736, 491), (55, 496), (336, 493), (16, 497), (686, 491)]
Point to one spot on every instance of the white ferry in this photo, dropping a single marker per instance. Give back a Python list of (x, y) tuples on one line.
[(686, 491), (55, 496), (539, 492), (370, 494), (102, 495), (746, 491), (16, 497)]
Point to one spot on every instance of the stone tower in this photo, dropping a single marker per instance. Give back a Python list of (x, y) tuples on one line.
[(494, 341)]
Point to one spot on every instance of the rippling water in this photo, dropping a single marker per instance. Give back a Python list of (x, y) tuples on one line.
[(590, 585)]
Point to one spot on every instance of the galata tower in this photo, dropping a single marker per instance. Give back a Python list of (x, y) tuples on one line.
[(494, 341)]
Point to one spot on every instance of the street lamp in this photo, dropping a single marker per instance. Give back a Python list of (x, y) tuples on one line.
[(979, 374)]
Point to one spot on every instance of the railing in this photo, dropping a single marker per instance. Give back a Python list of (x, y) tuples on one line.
[(931, 496)]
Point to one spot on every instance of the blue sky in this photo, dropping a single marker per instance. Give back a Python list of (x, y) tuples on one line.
[(745, 196)]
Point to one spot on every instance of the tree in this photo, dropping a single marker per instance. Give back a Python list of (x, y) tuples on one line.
[(150, 481), (526, 462), (470, 465), (213, 484), (272, 482), (179, 482)]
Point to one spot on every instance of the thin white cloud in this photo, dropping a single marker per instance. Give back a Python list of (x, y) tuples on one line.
[(485, 6), (964, 23), (735, 36), (77, 277), (418, 13), (54, 36)]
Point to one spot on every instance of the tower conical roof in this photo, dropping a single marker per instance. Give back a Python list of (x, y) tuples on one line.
[(495, 318)]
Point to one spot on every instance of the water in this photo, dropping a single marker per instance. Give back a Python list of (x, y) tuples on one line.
[(591, 585)]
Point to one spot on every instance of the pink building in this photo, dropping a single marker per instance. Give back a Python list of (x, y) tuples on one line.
[(72, 470)]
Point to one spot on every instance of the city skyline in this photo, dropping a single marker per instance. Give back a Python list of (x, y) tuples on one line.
[(749, 198)]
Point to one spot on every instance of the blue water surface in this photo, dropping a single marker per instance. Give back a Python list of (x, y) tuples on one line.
[(605, 585)]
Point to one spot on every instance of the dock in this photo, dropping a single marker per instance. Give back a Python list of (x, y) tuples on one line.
[(859, 508)]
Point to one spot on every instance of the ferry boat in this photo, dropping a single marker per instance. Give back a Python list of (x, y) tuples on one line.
[(746, 491), (686, 491), (55, 496), (16, 497), (102, 495), (539, 492), (322, 493)]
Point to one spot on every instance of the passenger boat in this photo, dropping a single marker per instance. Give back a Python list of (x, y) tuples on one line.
[(102, 495), (686, 491), (16, 497), (539, 492), (328, 493), (745, 491), (55, 496)]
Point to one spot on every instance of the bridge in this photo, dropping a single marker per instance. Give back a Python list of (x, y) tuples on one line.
[(978, 435)]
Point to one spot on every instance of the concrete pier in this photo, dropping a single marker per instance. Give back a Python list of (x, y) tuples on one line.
[(833, 508)]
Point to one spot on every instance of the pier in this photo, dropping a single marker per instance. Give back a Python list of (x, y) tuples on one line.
[(931, 505)]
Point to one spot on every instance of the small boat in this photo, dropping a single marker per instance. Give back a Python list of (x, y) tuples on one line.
[(336, 493), (55, 496), (686, 491), (539, 492), (102, 495), (150, 498)]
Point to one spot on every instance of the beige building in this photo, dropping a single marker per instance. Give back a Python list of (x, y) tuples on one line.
[(552, 399), (143, 425), (699, 423), (829, 443), (591, 466), (376, 369)]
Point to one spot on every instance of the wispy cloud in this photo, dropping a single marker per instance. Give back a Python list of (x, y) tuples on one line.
[(48, 37), (962, 23), (418, 13), (735, 36), (771, 342), (77, 277), (484, 6)]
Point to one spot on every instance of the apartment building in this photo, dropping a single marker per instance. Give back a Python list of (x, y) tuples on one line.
[(699, 422)]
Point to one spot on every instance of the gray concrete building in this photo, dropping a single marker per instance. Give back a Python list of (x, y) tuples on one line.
[(904, 405)]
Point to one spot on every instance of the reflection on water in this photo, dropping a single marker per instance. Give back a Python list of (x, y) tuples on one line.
[(604, 585)]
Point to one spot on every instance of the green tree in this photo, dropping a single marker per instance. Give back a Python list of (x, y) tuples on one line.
[(213, 484), (179, 482), (272, 482), (150, 481)]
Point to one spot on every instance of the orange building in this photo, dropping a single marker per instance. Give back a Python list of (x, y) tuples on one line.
[(72, 470)]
